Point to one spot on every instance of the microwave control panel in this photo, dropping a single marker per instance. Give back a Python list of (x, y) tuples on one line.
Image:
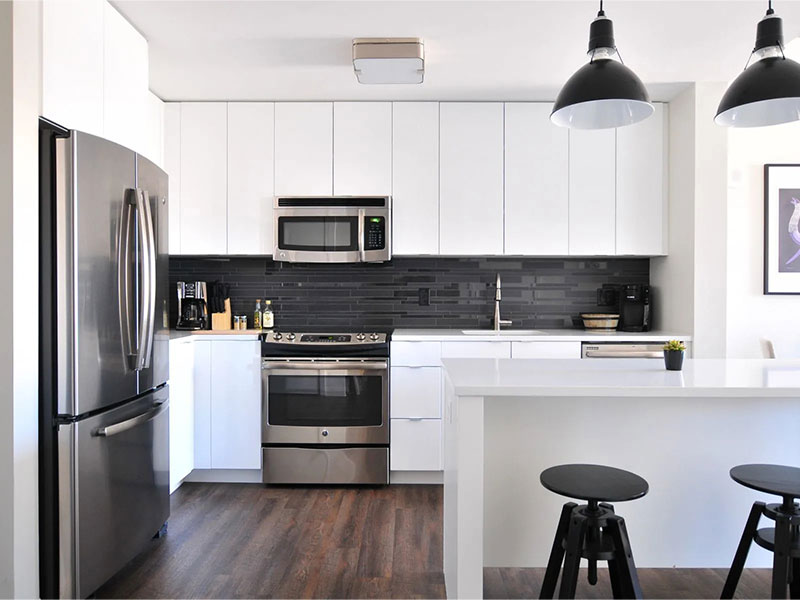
[(374, 233)]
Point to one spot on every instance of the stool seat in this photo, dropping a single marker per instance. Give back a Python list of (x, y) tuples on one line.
[(771, 479), (594, 482)]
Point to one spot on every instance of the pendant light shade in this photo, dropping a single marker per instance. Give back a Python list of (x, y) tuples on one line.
[(603, 93), (767, 92)]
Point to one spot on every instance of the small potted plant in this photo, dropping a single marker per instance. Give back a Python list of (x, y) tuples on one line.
[(673, 355)]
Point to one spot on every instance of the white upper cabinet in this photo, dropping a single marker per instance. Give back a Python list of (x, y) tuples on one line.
[(304, 148), (72, 64), (362, 148), (592, 192), (471, 178), (172, 165), (155, 132), (251, 181), (536, 182), (641, 179), (125, 83), (415, 178), (204, 185)]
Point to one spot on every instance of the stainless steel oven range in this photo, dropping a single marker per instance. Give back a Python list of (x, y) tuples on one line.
[(325, 408)]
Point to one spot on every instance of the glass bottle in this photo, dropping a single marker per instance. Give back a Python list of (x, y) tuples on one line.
[(257, 315), (267, 317)]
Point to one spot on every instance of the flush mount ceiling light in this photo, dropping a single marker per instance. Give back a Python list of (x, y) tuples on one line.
[(389, 60), (767, 92), (604, 92)]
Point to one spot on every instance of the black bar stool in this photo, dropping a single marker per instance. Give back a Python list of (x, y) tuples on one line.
[(783, 540), (592, 531)]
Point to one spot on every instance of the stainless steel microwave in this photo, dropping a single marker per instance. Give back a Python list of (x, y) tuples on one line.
[(333, 229)]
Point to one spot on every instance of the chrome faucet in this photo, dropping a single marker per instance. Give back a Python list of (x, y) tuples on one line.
[(497, 297)]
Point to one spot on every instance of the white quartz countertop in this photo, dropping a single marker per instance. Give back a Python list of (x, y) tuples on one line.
[(726, 378), (543, 335)]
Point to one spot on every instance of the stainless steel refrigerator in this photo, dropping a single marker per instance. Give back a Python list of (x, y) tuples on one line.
[(104, 359)]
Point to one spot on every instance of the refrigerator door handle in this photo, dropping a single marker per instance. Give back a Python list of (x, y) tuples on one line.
[(122, 426), (124, 276), (148, 287)]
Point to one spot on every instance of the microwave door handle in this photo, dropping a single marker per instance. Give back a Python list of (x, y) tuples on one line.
[(362, 255), (124, 291)]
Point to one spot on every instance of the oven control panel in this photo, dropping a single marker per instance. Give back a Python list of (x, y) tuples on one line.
[(324, 339)]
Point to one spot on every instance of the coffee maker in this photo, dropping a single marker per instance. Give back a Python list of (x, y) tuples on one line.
[(634, 307), (192, 306)]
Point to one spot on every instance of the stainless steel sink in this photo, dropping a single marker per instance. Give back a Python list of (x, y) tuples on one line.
[(502, 332)]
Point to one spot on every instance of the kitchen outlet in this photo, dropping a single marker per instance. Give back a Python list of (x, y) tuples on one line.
[(424, 297)]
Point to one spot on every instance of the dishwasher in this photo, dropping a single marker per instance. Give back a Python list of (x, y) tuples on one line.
[(622, 350)]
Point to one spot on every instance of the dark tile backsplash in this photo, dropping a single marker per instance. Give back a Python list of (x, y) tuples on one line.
[(537, 292)]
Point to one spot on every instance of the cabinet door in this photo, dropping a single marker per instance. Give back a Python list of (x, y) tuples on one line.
[(471, 178), (72, 63), (362, 148), (251, 181), (545, 349), (476, 349), (415, 178), (181, 411), (204, 185), (125, 83), (202, 404), (236, 404), (155, 130), (172, 165), (592, 192), (641, 194), (536, 182), (416, 445), (303, 148), (416, 392)]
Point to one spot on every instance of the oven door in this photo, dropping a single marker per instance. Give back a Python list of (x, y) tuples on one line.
[(318, 235), (324, 402)]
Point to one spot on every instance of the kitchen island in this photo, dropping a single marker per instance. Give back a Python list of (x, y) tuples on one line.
[(507, 420)]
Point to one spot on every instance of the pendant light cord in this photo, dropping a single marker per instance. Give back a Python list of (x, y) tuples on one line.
[(601, 13)]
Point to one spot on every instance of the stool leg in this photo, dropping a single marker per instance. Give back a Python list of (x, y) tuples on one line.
[(740, 557), (780, 557), (557, 553), (614, 576), (794, 586), (572, 561), (627, 568)]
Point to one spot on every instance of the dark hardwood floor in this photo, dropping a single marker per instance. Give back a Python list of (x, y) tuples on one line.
[(251, 541)]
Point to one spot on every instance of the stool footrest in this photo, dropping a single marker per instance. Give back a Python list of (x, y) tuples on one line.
[(765, 538)]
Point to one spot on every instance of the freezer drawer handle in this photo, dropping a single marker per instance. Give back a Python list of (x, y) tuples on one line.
[(116, 428)]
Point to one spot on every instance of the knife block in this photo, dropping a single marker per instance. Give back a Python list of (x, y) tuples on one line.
[(222, 321)]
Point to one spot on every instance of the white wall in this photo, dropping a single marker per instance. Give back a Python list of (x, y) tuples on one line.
[(6, 340), (27, 108), (753, 316), (672, 276)]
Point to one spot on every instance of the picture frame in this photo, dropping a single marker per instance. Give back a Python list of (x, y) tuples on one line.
[(781, 229)]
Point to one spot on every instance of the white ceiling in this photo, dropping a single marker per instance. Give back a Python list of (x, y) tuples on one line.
[(475, 50)]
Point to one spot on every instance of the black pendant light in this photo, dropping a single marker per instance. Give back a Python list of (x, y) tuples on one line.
[(767, 92), (603, 93)]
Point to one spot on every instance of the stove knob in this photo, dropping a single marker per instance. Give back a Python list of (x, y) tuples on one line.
[(374, 337), (290, 336), (277, 335), (360, 337)]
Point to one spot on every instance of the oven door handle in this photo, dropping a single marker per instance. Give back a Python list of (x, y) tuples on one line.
[(325, 365)]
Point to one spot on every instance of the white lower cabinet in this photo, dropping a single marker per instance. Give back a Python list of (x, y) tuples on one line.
[(181, 411), (235, 404), (416, 445), (416, 392), (476, 349), (545, 349), (202, 404)]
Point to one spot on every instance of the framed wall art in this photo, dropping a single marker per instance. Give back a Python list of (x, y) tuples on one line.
[(782, 229)]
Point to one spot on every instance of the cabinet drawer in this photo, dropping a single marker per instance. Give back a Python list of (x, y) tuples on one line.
[(416, 392), (416, 445), (416, 354), (476, 349), (545, 349)]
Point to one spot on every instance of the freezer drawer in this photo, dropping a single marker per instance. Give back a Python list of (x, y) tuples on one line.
[(113, 490), (361, 465)]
